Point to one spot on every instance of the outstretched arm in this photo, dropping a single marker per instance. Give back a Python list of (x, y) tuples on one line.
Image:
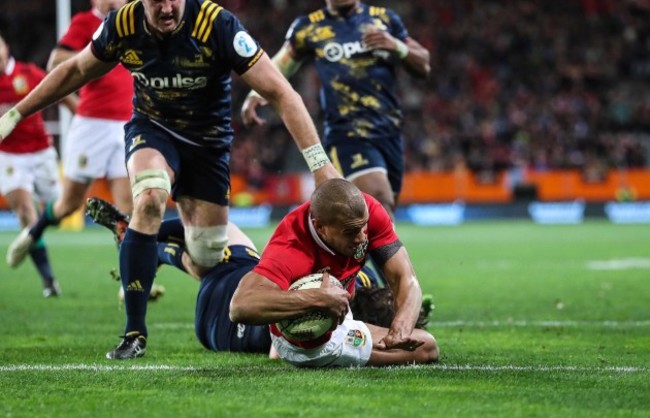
[(66, 78), (287, 65), (259, 301), (266, 79), (408, 300)]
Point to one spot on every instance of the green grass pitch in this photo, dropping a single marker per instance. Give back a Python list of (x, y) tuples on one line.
[(532, 321)]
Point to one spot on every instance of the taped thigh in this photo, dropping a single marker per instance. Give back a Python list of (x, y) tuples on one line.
[(206, 244)]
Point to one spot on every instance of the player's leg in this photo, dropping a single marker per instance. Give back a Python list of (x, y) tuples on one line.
[(37, 175), (148, 153), (202, 202), (428, 352)]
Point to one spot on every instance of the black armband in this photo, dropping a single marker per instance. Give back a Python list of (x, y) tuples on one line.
[(382, 254)]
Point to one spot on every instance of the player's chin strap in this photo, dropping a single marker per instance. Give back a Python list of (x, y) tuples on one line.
[(315, 157), (8, 122)]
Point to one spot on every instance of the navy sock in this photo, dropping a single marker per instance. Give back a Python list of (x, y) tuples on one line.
[(171, 230), (38, 253), (138, 263), (171, 254), (46, 219)]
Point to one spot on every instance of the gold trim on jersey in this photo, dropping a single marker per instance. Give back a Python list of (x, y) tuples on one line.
[(125, 20), (316, 16), (203, 23), (365, 279), (377, 11), (334, 157)]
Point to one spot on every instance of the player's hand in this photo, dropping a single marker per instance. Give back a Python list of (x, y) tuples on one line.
[(337, 299), (8, 122), (374, 38), (396, 341), (249, 110)]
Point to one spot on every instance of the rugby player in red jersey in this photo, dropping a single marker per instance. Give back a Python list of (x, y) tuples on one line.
[(28, 160), (334, 233)]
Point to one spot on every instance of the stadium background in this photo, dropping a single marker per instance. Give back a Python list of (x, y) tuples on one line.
[(528, 101)]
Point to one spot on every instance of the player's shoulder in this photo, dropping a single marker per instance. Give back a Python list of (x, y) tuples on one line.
[(208, 18), (84, 17), (383, 13), (125, 21)]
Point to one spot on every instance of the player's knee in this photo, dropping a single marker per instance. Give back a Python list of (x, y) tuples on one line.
[(206, 245), (149, 181)]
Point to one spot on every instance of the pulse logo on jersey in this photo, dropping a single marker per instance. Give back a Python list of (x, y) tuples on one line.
[(244, 44), (177, 81), (335, 51)]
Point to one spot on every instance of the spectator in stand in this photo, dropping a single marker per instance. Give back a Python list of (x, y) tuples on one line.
[(28, 161)]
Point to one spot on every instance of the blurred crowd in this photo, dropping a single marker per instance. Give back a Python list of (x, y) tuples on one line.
[(516, 84)]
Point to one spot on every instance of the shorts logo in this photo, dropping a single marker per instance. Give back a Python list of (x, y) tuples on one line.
[(244, 45), (356, 338), (358, 161), (135, 287), (83, 161), (241, 329), (135, 142)]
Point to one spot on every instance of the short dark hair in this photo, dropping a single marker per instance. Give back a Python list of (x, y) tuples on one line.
[(375, 305)]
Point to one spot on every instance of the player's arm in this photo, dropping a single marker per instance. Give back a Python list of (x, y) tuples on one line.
[(415, 57), (266, 79), (400, 275), (258, 301), (66, 78), (286, 62), (58, 55)]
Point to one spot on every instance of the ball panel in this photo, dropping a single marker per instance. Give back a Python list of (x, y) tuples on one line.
[(313, 324)]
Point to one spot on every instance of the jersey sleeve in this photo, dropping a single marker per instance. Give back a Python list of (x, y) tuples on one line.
[(76, 37), (238, 46), (104, 40), (397, 28), (380, 228), (285, 257), (297, 35)]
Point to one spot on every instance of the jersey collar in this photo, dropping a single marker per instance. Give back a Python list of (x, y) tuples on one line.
[(315, 236), (11, 66)]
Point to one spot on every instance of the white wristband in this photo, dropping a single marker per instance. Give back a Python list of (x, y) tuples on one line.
[(401, 49), (8, 122), (315, 157)]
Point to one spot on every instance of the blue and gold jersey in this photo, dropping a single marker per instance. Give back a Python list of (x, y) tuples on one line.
[(183, 82), (358, 93)]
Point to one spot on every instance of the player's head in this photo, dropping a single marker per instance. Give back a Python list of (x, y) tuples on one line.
[(341, 7), (375, 305), (163, 16), (340, 216), (105, 6), (4, 54)]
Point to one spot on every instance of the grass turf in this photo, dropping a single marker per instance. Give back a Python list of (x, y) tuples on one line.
[(532, 321)]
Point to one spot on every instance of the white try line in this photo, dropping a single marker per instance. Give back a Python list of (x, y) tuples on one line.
[(441, 367), (480, 324)]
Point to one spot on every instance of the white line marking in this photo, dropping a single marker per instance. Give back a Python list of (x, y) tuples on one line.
[(443, 367), (481, 324), (619, 264)]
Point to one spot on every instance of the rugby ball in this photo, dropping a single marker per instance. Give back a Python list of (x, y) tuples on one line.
[(313, 324)]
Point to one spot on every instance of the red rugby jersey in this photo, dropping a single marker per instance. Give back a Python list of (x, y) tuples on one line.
[(110, 96), (293, 252), (16, 82)]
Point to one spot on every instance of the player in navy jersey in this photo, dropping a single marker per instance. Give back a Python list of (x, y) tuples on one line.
[(213, 327), (356, 49), (181, 54)]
